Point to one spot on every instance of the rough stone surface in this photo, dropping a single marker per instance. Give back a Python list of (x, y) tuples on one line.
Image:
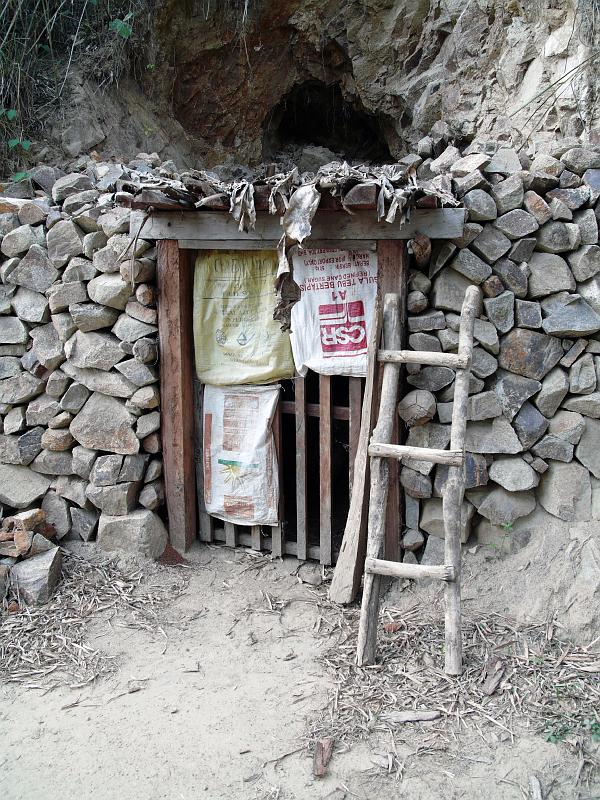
[(513, 474), (37, 578), (432, 519), (529, 353), (548, 274), (554, 389), (517, 224), (34, 271), (529, 425), (565, 491), (93, 350), (502, 507), (492, 436), (20, 487), (588, 448), (140, 532), (105, 424), (575, 318), (501, 311)]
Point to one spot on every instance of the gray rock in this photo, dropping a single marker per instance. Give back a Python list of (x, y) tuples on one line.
[(529, 425), (538, 207), (108, 259), (491, 244), (73, 490), (443, 162), (79, 269), (467, 164), (588, 225), (83, 461), (441, 253), (106, 469), (513, 276), (529, 353), (13, 331), (116, 500), (590, 292), (65, 240), (558, 237), (432, 321), (93, 350), (63, 323), (502, 507), (416, 408), (34, 271), (62, 295), (109, 290), (573, 198), (57, 384), (513, 391), (97, 380), (580, 159), (549, 274), (105, 424), (582, 376), (430, 435), (91, 317), (471, 266), (146, 351), (554, 389), (137, 373), (412, 540), (476, 474), (470, 231), (492, 436), (70, 184), (508, 194), (41, 410), (528, 314), (115, 221), (61, 420), (567, 425), (30, 445), (93, 241), (483, 364), (554, 448), (432, 519), (14, 421), (432, 378), (517, 224), (146, 397), (415, 303), (588, 450), (30, 306), (416, 341), (480, 206), (56, 510), (449, 290), (20, 239), (84, 523), (74, 398), (575, 318), (505, 161), (129, 329), (585, 262), (20, 388), (513, 474), (448, 340), (565, 491), (47, 347), (588, 405), (51, 462), (560, 211), (417, 282), (9, 367), (57, 439), (133, 469), (20, 487), (522, 250), (140, 532), (37, 578), (415, 484), (500, 311), (573, 352), (81, 201), (484, 406)]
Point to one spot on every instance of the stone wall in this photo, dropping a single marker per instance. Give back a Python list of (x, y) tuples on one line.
[(533, 434), (79, 399)]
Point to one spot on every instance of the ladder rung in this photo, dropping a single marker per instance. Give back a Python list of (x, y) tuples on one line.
[(377, 566), (451, 360), (452, 457)]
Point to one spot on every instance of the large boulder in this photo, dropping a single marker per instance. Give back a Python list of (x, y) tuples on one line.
[(565, 491), (141, 533), (20, 486), (105, 424)]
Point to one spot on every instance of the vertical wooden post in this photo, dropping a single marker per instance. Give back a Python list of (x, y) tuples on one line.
[(380, 484), (175, 336), (277, 534), (325, 548), (455, 485), (300, 389), (206, 523), (354, 414)]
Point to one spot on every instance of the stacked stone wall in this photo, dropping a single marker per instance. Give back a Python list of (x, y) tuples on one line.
[(79, 399)]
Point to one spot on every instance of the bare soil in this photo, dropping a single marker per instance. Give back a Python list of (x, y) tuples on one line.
[(218, 700)]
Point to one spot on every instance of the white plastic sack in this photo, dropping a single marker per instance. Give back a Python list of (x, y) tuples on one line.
[(331, 323), (241, 480)]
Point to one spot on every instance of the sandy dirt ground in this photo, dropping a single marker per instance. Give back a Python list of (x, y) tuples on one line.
[(217, 701)]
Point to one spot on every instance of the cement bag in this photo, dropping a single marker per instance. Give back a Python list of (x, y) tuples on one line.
[(331, 323), (241, 480), (236, 338)]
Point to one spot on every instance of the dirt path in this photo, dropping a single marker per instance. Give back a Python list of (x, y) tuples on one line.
[(222, 698)]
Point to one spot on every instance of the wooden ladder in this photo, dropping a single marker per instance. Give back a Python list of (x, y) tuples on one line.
[(380, 450)]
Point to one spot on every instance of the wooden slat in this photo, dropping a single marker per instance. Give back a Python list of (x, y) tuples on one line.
[(423, 357), (212, 226), (393, 569), (175, 337), (349, 567), (245, 540), (429, 454), (277, 535), (392, 276), (230, 534), (255, 536), (325, 468), (380, 486), (312, 410), (262, 244), (300, 409), (354, 413), (205, 521)]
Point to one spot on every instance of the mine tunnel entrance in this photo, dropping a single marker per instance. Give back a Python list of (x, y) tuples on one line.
[(317, 114)]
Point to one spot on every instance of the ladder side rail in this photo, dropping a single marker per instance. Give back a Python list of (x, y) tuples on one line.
[(455, 486), (378, 493)]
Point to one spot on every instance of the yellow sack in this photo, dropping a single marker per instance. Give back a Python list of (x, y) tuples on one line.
[(236, 338)]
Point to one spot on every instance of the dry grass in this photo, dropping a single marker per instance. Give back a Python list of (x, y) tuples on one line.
[(518, 679), (46, 646)]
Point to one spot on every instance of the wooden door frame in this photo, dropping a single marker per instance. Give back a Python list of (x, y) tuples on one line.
[(175, 274)]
